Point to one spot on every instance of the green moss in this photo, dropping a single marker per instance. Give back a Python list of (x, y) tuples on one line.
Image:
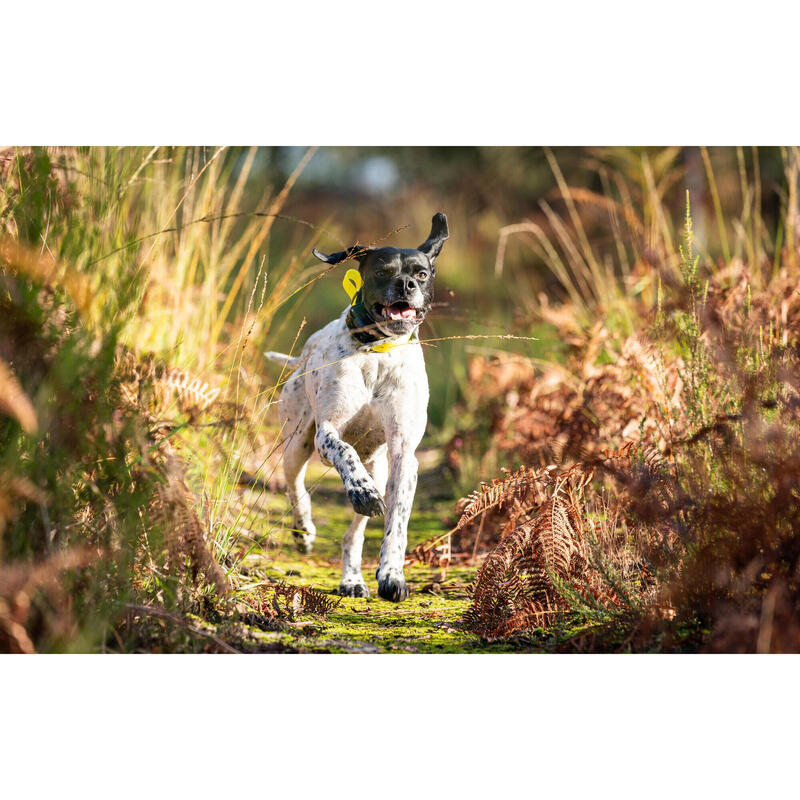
[(429, 621)]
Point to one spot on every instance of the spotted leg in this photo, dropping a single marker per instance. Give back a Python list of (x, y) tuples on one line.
[(399, 497), (352, 584)]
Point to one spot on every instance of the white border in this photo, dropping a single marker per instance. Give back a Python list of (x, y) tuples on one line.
[(713, 726), (357, 73)]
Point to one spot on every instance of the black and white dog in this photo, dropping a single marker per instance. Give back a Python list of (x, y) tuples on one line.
[(359, 394)]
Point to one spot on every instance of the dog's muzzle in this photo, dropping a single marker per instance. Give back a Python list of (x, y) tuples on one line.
[(398, 311)]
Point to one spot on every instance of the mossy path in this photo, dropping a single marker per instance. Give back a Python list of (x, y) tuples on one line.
[(429, 621)]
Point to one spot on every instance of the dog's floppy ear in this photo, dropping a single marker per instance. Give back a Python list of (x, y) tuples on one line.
[(432, 246), (357, 252)]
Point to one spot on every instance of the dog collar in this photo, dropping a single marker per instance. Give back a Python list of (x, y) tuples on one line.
[(361, 323)]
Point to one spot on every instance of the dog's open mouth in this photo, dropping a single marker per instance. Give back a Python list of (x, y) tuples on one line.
[(400, 311)]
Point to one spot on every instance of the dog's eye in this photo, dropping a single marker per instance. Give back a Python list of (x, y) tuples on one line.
[(422, 275)]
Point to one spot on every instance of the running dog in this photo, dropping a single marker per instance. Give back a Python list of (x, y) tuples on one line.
[(359, 395)]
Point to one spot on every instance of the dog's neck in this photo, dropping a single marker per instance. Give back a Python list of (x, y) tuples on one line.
[(363, 326)]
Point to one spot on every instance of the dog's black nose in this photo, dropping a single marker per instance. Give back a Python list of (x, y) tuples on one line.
[(406, 284)]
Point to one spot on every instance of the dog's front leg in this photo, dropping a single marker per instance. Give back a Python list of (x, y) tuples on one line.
[(399, 497), (352, 583), (361, 490)]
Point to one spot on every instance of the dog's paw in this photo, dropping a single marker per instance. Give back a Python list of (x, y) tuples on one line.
[(352, 589), (304, 542), (392, 587), (366, 500)]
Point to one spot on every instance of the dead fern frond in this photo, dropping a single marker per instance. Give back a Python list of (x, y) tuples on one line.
[(305, 600), (531, 615), (542, 568), (436, 551), (524, 489), (515, 584), (283, 601), (149, 385), (567, 414)]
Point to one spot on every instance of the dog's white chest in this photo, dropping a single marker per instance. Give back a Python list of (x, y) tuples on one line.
[(370, 393)]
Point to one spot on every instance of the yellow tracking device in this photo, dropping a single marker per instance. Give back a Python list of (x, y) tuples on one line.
[(351, 283)]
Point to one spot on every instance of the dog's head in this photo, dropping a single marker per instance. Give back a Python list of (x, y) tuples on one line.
[(398, 283)]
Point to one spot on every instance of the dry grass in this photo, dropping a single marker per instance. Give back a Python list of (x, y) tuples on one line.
[(136, 298), (693, 543)]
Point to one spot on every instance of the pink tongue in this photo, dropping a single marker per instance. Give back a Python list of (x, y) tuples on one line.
[(407, 313)]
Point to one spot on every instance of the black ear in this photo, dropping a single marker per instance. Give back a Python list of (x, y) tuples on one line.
[(432, 246), (357, 252)]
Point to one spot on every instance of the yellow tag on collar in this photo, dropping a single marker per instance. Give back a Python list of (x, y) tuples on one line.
[(385, 347), (351, 283)]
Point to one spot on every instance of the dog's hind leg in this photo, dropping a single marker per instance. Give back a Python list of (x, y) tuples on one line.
[(352, 584), (296, 451)]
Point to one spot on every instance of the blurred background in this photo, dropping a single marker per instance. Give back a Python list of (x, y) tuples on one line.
[(366, 194)]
